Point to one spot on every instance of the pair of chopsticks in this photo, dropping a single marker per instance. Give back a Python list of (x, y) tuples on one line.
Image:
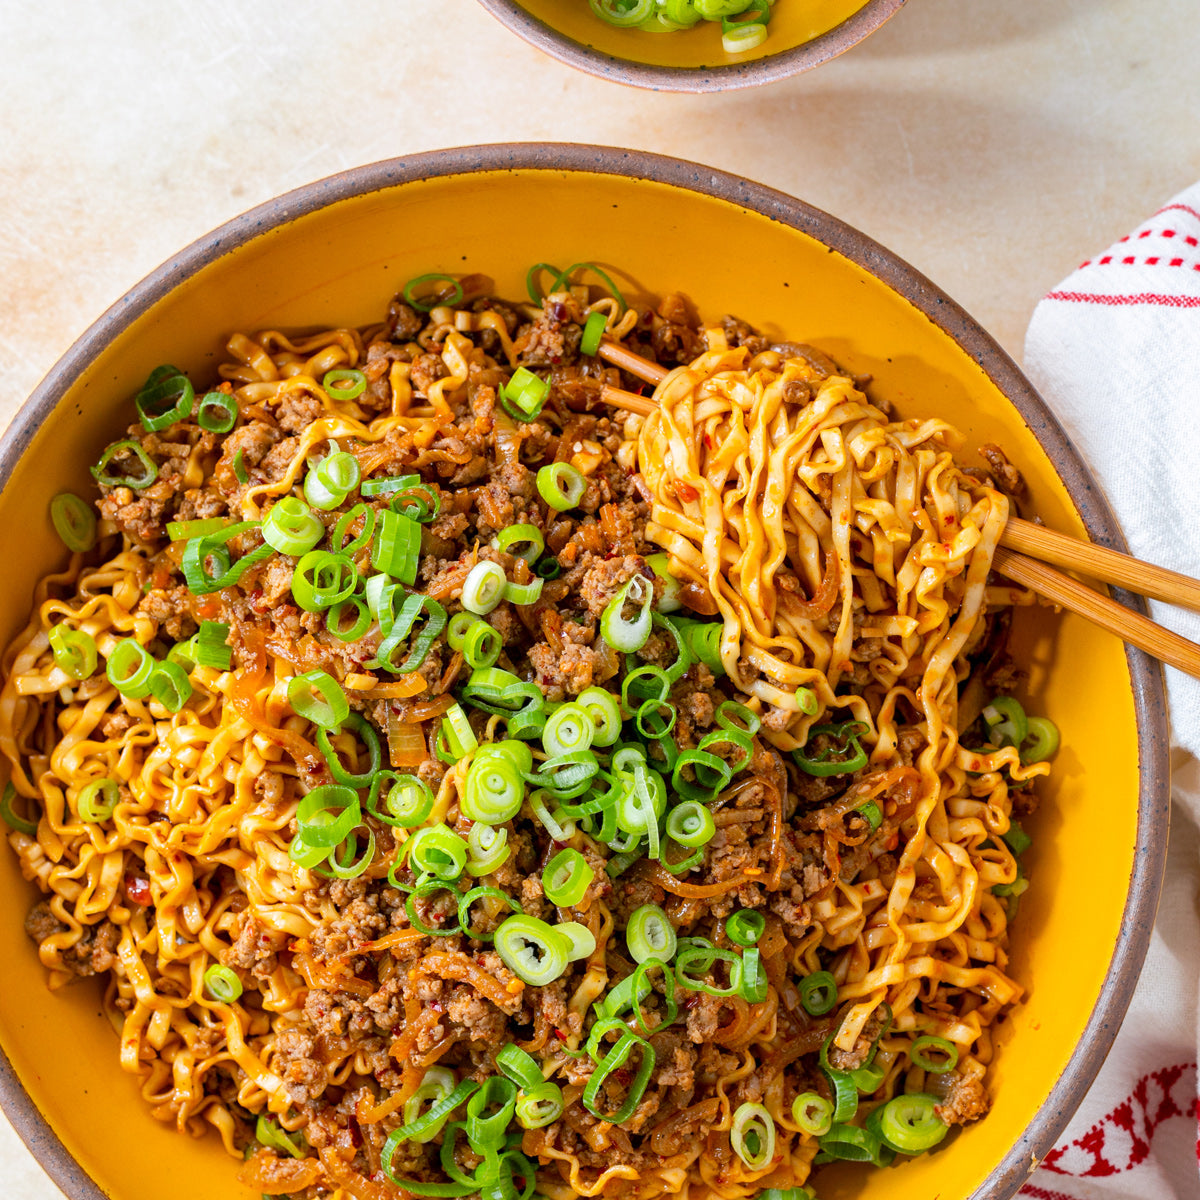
[(1023, 545)]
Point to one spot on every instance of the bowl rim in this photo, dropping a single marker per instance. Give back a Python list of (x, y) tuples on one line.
[(727, 77), (1146, 676)]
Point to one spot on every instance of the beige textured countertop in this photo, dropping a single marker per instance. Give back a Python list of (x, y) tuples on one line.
[(992, 145)]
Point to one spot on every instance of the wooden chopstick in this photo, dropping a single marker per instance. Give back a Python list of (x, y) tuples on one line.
[(1109, 566), (1108, 614)]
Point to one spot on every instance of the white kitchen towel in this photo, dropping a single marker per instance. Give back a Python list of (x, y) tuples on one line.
[(1115, 352)]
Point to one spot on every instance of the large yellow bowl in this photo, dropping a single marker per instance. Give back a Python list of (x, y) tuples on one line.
[(334, 253), (801, 34)]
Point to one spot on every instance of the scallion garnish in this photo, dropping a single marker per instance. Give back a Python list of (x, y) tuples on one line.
[(217, 412), (74, 521), (291, 527), (650, 934), (74, 651), (561, 485), (344, 383), (222, 984), (166, 397), (149, 470)]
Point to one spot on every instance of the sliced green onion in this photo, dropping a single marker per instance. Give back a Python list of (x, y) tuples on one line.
[(910, 1124), (318, 697), (198, 552), (691, 824), (536, 295), (438, 851), (495, 786), (222, 984), (9, 816), (752, 977), (166, 397), (566, 878), (74, 651), (532, 950), (105, 478), (818, 993), (74, 521), (695, 961), (350, 865), (745, 927), (454, 296), (615, 1060), (650, 934), (361, 726), (170, 686), (711, 774), (520, 1066), (523, 396), (1006, 721), (206, 648), (270, 1134), (409, 801), (849, 1143), (564, 277), (660, 565), (337, 539), (415, 607), (438, 1086), (336, 623), (291, 527), (1015, 837), (484, 587), (327, 485), (752, 1135), (460, 737), (842, 756), (473, 897), (868, 1078), (561, 485), (421, 502), (593, 331), (488, 847), (217, 412), (539, 1105), (1040, 741), (183, 531), (322, 579), (569, 728), (344, 383), (702, 639), (97, 800), (813, 1113), (423, 890), (524, 593), (737, 39), (944, 1057), (482, 644), (489, 1111), (628, 635), (521, 541), (385, 485), (239, 468), (129, 669), (870, 813), (324, 819), (605, 712)]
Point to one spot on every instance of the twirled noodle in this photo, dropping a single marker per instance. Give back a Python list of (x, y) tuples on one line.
[(848, 555)]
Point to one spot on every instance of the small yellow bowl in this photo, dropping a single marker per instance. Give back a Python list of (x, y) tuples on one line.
[(801, 34), (335, 252)]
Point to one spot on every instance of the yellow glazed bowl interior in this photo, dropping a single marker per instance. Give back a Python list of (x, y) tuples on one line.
[(334, 253), (801, 34)]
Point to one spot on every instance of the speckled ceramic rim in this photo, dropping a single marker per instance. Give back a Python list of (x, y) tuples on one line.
[(1145, 673), (693, 79)]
